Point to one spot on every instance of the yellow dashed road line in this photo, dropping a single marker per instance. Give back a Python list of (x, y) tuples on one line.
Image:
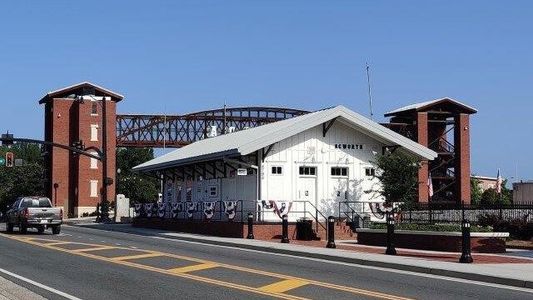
[(194, 268), (139, 256), (284, 286), (276, 290)]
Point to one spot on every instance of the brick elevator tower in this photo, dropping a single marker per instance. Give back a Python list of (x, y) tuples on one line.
[(443, 125), (74, 115)]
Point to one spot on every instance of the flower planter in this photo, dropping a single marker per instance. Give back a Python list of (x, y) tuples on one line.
[(482, 242)]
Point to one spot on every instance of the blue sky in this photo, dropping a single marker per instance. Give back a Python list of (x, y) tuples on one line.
[(183, 56)]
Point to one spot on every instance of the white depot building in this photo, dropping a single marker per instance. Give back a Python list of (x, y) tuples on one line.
[(310, 165)]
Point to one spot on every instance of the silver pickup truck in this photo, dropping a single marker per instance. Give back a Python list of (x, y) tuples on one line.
[(35, 212)]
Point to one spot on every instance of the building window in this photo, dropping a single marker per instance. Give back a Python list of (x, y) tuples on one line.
[(94, 133), (94, 188), (94, 108), (94, 161), (370, 172), (277, 170), (338, 171), (308, 171), (213, 191)]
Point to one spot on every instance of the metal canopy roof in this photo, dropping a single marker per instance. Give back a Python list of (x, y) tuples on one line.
[(250, 140), (421, 106), (62, 92)]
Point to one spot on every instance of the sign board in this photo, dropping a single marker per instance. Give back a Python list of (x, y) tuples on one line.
[(19, 162), (242, 172)]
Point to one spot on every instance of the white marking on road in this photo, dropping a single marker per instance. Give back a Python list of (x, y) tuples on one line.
[(39, 285), (495, 285)]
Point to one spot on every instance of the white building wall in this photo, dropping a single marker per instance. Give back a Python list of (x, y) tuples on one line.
[(355, 151)]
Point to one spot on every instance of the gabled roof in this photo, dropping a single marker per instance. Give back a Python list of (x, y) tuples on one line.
[(427, 105), (78, 88), (250, 140)]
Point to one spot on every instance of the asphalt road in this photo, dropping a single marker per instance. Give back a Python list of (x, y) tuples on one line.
[(97, 264)]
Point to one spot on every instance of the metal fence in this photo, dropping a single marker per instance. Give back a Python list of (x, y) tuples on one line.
[(449, 213)]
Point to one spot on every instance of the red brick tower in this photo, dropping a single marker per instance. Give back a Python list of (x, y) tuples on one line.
[(442, 125), (74, 114)]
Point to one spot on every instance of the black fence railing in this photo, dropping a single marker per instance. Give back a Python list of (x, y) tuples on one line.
[(452, 213)]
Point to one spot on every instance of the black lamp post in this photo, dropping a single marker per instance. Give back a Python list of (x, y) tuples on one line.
[(391, 250), (466, 256)]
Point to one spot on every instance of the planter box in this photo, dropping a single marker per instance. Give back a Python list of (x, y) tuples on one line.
[(482, 242)]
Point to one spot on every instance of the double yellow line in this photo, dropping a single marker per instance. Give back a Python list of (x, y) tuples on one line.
[(276, 290)]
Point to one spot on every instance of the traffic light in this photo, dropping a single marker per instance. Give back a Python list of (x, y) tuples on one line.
[(10, 159)]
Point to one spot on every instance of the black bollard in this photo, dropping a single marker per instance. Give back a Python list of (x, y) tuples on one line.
[(250, 226), (466, 256), (285, 229), (331, 232), (391, 250)]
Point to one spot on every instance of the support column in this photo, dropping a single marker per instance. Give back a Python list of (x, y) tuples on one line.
[(423, 173), (462, 158)]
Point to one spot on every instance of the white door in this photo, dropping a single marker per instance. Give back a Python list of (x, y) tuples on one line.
[(307, 189), (306, 192)]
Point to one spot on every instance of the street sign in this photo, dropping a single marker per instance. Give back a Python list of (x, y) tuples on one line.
[(19, 162)]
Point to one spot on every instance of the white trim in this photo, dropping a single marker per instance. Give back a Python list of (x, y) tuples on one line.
[(94, 133), (82, 83), (93, 188), (438, 233), (94, 161)]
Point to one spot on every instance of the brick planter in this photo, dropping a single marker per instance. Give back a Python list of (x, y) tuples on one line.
[(482, 242)]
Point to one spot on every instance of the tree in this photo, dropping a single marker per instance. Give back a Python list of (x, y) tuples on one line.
[(398, 176), (24, 180), (136, 186), (491, 198), (476, 192)]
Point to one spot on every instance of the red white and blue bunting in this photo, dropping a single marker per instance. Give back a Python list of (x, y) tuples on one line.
[(280, 207), (176, 209), (209, 210), (191, 209), (229, 209)]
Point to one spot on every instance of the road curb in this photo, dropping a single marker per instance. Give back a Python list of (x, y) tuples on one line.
[(372, 263)]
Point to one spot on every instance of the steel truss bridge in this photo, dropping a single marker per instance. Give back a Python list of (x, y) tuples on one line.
[(174, 131)]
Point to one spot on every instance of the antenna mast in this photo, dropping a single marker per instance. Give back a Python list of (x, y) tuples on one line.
[(369, 91)]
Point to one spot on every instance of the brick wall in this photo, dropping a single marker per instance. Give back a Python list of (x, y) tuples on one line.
[(67, 121)]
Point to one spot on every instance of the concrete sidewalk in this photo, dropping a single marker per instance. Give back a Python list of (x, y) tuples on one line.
[(513, 271), (13, 291)]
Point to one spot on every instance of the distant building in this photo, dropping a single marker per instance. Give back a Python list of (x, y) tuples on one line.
[(523, 192), (485, 182)]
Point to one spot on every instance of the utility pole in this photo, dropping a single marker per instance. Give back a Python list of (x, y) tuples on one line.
[(105, 203), (369, 91)]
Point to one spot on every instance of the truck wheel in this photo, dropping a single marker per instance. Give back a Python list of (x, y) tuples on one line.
[(40, 229), (9, 227), (23, 229), (56, 229)]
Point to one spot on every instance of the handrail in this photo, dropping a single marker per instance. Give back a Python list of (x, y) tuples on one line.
[(350, 214)]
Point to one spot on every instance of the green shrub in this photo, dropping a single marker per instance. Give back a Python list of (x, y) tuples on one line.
[(431, 227)]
